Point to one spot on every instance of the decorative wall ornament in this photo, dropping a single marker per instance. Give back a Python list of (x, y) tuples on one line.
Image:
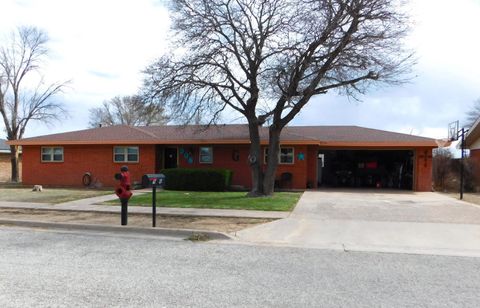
[(235, 155), (187, 155), (252, 159)]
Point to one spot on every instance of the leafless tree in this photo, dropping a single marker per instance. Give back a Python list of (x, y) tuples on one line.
[(473, 114), (442, 168), (24, 96), (127, 110), (266, 59)]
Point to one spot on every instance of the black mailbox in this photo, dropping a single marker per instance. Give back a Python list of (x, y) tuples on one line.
[(151, 180)]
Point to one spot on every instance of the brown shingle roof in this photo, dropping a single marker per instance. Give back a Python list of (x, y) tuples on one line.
[(171, 134)]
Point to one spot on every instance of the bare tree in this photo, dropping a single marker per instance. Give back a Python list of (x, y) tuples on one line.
[(22, 97), (127, 110), (266, 59), (442, 168), (473, 114)]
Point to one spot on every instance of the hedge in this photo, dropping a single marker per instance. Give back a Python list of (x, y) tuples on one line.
[(197, 179)]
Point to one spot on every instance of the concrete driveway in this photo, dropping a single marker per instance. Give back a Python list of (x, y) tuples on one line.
[(373, 220)]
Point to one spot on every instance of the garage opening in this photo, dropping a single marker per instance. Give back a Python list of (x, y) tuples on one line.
[(366, 169)]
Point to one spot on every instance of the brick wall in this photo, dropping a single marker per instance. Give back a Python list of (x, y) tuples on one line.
[(78, 159), (423, 169), (6, 167), (475, 157), (223, 158), (312, 161), (98, 159)]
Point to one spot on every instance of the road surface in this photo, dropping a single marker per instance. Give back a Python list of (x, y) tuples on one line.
[(71, 269)]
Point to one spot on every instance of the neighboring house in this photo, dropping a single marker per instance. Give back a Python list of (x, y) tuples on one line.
[(5, 162), (311, 156), (472, 142)]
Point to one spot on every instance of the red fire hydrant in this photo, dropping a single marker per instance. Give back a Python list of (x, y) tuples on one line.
[(123, 192)]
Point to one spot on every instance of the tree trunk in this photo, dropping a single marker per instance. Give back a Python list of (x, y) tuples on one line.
[(273, 151), (14, 162), (255, 160)]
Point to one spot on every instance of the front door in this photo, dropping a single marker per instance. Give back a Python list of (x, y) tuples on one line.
[(170, 158)]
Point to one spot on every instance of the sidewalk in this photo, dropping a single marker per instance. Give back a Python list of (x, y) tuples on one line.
[(91, 205)]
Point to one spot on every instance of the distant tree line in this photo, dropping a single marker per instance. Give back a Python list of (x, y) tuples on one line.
[(132, 110)]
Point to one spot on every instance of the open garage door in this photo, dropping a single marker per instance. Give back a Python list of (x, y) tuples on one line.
[(366, 168)]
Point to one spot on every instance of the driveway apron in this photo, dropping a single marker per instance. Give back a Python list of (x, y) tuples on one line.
[(376, 220)]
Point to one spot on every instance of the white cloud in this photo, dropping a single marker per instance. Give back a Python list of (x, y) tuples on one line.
[(101, 46), (445, 39)]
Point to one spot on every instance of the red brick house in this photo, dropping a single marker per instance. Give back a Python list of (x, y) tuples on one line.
[(311, 156)]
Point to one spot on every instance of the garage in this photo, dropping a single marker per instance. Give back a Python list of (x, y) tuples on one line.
[(392, 169)]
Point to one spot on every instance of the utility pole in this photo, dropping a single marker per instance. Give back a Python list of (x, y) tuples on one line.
[(462, 171), (454, 133)]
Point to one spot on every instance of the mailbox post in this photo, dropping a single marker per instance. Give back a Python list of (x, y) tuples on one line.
[(123, 192), (154, 204), (154, 181)]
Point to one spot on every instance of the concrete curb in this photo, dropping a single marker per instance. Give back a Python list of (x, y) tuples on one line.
[(446, 252), (180, 233)]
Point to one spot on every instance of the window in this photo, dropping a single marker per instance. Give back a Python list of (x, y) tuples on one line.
[(125, 154), (206, 155), (285, 156), (52, 154)]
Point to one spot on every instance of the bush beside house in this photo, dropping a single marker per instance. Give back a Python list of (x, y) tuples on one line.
[(197, 179)]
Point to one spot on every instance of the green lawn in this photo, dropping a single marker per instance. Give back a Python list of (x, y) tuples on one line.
[(281, 201), (48, 195)]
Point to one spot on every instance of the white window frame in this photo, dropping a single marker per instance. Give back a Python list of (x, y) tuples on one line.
[(265, 155), (125, 154), (200, 155), (52, 155)]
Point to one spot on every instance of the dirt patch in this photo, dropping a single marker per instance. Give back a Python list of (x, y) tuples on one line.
[(468, 197), (220, 224)]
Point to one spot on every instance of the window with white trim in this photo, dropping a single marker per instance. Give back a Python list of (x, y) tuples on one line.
[(52, 154), (206, 155), (125, 154), (285, 156)]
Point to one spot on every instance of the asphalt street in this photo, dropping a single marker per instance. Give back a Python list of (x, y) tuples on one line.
[(40, 268)]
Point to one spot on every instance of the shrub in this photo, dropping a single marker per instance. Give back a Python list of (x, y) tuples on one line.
[(197, 179), (446, 172)]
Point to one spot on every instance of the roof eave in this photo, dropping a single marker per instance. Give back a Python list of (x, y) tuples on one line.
[(354, 144), (473, 133), (386, 144)]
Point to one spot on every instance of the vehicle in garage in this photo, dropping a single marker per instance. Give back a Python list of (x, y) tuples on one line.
[(367, 168)]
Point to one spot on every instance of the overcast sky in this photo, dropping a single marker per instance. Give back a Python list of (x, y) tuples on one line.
[(102, 46)]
